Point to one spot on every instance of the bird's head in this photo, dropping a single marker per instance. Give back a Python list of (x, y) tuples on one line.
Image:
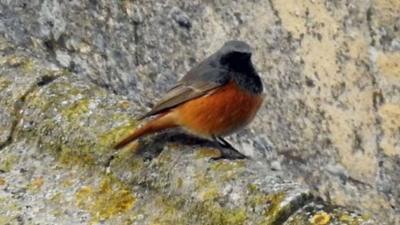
[(233, 53)]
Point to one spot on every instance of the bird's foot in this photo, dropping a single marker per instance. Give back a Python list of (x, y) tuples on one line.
[(227, 150)]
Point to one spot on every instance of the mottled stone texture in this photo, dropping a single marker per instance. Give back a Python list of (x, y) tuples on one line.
[(331, 71), (57, 165)]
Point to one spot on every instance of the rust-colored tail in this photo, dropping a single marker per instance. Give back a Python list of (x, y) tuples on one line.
[(157, 124)]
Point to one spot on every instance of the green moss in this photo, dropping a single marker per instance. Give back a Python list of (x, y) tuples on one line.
[(175, 212), (107, 200), (7, 162), (207, 153), (272, 203)]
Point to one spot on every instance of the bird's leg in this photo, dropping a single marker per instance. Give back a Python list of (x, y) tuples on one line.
[(225, 143), (227, 150)]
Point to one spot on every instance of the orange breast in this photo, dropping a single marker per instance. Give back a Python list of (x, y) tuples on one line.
[(219, 113)]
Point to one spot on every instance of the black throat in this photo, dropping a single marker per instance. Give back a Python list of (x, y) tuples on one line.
[(244, 74)]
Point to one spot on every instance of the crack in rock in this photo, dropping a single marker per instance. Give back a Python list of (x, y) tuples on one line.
[(20, 103), (276, 12)]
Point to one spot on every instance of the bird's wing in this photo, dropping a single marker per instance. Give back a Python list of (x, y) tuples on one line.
[(198, 82)]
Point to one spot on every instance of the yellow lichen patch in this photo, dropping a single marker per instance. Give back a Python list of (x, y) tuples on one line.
[(207, 153), (28, 66), (83, 196), (84, 48), (271, 202), (228, 169), (179, 183), (5, 44), (4, 83), (389, 65), (209, 192), (124, 104), (5, 220), (348, 219), (76, 110), (320, 218), (36, 184), (25, 63), (168, 211), (70, 156), (390, 114), (207, 189), (57, 198), (211, 212), (110, 198), (7, 162), (227, 166), (2, 181), (126, 160), (13, 60), (222, 216), (67, 182), (274, 209), (55, 72)]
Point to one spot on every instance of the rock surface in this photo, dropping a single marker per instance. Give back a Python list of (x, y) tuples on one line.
[(57, 166), (331, 70)]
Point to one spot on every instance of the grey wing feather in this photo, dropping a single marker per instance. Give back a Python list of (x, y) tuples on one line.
[(198, 82)]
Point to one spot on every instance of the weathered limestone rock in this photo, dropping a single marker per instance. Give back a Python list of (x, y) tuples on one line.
[(57, 166)]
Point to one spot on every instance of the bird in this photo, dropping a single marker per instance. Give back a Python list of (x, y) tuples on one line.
[(217, 97)]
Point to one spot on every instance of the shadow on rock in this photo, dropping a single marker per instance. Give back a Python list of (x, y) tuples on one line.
[(151, 147)]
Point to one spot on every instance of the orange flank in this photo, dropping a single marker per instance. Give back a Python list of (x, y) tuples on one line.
[(219, 113)]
